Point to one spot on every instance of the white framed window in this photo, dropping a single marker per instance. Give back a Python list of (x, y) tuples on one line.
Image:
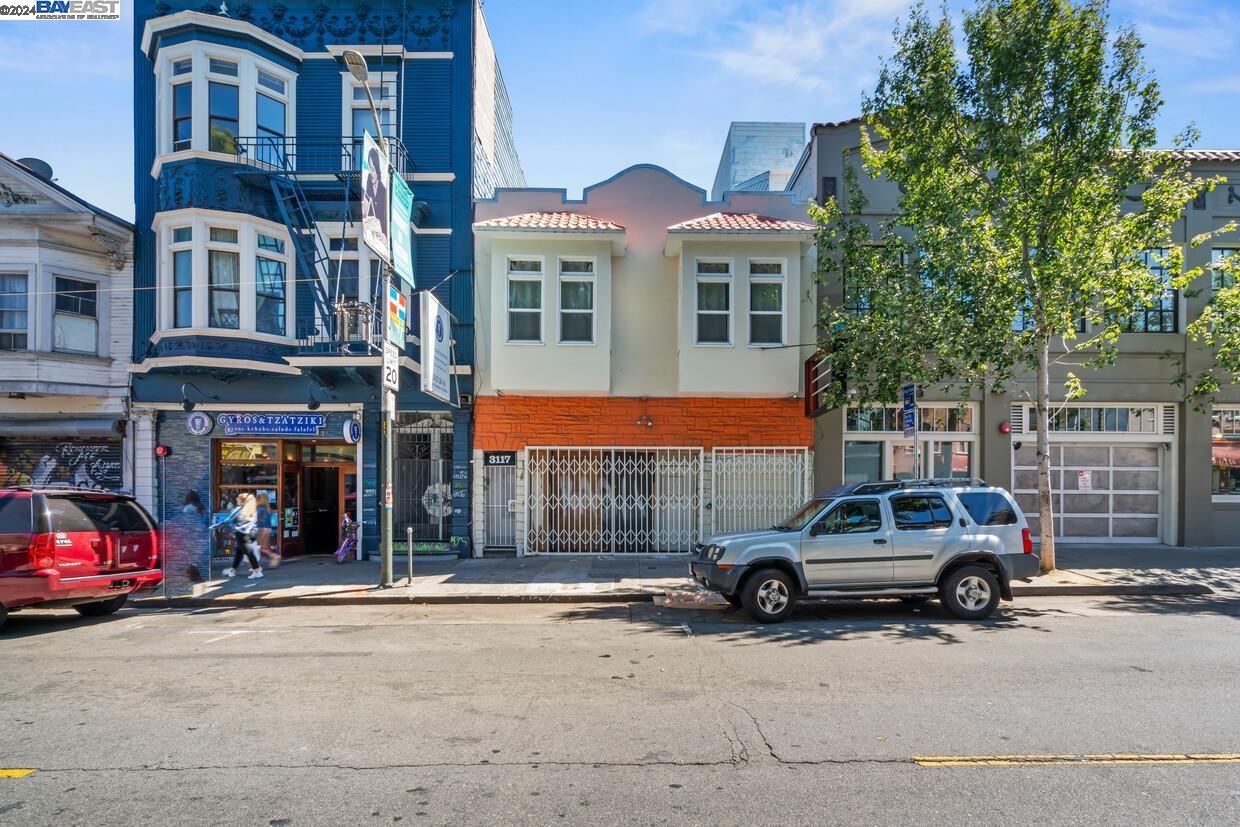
[(359, 271), (75, 319), (525, 289), (215, 98), (875, 447), (357, 118), (14, 311), (766, 302), (1225, 453), (713, 302), (577, 297), (1224, 263), (221, 273)]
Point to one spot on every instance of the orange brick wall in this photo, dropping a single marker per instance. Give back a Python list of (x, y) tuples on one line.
[(511, 423)]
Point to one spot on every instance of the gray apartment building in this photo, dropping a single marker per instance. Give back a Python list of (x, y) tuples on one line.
[(1133, 461), (758, 157)]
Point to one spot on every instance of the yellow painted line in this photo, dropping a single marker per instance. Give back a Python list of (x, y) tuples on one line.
[(15, 773), (1112, 759)]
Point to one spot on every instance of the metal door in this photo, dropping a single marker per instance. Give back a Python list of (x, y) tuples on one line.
[(422, 492), (501, 498)]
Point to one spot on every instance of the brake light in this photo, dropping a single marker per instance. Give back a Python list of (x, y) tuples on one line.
[(43, 551), (153, 562), (1027, 539)]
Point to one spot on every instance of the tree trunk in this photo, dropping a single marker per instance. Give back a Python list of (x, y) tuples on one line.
[(1046, 523)]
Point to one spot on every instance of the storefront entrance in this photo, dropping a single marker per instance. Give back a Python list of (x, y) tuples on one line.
[(307, 486)]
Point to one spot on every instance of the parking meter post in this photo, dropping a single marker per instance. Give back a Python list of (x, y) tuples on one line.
[(409, 550)]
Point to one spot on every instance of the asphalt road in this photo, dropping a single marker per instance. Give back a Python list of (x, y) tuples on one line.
[(623, 715)]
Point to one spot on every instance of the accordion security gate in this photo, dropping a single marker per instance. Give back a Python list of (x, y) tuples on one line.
[(754, 488), (613, 500), (655, 500)]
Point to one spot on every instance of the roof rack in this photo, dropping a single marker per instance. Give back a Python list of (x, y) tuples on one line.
[(935, 482)]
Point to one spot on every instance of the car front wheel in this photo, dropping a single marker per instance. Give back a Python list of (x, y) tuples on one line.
[(769, 596), (970, 593), (103, 607)]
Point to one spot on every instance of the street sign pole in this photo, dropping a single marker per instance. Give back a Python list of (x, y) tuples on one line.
[(909, 415), (388, 413)]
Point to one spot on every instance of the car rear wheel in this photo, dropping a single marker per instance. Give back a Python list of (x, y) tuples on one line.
[(769, 596), (103, 607), (970, 593)]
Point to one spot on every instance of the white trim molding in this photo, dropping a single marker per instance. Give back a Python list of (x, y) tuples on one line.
[(212, 21)]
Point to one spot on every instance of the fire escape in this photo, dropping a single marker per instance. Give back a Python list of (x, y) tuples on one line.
[(297, 172)]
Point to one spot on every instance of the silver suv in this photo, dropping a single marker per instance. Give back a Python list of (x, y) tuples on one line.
[(963, 540)]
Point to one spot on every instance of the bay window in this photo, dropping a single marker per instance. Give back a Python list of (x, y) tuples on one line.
[(524, 300), (577, 301), (270, 115), (223, 116), (75, 322), (766, 303), (714, 303), (1225, 452), (222, 272), (182, 116)]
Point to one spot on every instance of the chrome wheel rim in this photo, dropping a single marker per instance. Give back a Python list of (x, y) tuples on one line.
[(973, 592), (772, 596)]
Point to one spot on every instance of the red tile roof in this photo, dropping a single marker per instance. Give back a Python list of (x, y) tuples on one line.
[(741, 222), (554, 221)]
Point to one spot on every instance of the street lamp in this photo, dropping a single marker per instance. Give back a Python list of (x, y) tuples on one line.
[(357, 68)]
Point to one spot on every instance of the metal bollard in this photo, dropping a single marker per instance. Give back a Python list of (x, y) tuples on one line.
[(409, 550)]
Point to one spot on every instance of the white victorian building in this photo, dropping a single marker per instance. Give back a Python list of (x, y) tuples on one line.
[(66, 310)]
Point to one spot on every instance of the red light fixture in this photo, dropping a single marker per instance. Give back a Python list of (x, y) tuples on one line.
[(162, 451), (1005, 428)]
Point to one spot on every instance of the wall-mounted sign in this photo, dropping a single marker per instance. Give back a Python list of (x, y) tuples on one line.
[(499, 458), (375, 201), (271, 424), (1084, 481), (436, 348), (398, 316), (402, 242), (352, 431), (199, 423), (908, 411)]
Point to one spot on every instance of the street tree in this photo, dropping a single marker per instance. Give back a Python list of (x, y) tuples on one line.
[(1034, 221)]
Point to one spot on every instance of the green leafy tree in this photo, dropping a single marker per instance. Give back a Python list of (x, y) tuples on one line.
[(1031, 195), (1218, 328)]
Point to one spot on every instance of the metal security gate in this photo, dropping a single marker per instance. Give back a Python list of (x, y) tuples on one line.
[(613, 500), (754, 488), (501, 496), (422, 492)]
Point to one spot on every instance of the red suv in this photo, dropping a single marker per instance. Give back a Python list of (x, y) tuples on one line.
[(69, 547)]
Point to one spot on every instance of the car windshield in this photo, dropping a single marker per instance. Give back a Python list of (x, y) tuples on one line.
[(803, 517)]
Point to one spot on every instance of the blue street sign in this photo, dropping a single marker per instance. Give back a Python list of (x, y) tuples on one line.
[(908, 411)]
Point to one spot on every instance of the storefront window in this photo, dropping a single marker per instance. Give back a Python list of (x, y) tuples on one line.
[(947, 443), (248, 451), (952, 459), (328, 453), (863, 461), (1225, 451)]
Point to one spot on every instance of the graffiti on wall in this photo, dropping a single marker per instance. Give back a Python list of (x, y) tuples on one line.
[(71, 462)]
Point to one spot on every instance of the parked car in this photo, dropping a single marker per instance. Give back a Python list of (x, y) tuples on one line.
[(72, 547), (962, 540)]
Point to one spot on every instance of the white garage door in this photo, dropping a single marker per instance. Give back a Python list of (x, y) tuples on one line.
[(1101, 491)]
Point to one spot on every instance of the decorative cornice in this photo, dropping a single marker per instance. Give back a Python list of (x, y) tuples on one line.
[(115, 246)]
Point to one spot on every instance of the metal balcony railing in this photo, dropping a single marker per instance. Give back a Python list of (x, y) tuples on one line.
[(309, 155), (359, 331)]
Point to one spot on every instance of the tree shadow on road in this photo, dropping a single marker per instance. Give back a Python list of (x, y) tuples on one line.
[(821, 622), (1192, 604)]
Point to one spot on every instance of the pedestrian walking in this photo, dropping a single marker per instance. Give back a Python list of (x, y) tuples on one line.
[(244, 521), (266, 531)]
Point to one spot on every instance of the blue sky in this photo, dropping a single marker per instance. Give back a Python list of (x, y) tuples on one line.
[(599, 86)]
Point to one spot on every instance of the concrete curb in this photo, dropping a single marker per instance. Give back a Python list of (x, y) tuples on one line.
[(387, 599)]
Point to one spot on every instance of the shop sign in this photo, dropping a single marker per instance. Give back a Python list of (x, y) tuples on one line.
[(402, 241), (499, 458), (352, 431), (199, 423), (271, 424), (398, 316), (436, 348)]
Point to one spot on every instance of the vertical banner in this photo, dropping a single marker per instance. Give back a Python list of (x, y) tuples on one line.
[(375, 200), (397, 316), (436, 348), (402, 242)]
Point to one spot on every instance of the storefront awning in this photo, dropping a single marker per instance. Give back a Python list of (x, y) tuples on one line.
[(60, 427)]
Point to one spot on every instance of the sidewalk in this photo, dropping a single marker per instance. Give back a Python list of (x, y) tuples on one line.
[(1119, 570)]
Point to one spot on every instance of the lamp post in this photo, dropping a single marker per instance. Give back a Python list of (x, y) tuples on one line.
[(357, 68)]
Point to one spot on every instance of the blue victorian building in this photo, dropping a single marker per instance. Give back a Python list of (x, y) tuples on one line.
[(259, 313)]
